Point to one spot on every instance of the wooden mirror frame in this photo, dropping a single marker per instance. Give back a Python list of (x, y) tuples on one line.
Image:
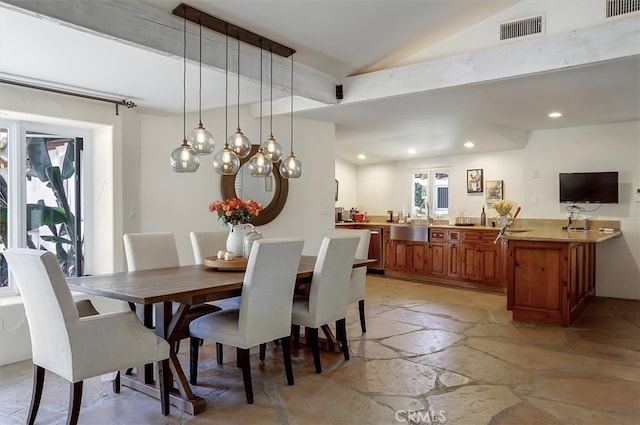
[(280, 191)]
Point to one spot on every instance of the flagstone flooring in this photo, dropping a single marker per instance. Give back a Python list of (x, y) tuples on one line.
[(431, 354)]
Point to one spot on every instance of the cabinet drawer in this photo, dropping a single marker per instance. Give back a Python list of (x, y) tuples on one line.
[(481, 237), (454, 236), (437, 235)]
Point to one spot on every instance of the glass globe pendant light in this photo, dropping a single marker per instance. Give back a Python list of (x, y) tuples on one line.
[(260, 164), (271, 148), (226, 162), (184, 159), (291, 167), (240, 144), (201, 140)]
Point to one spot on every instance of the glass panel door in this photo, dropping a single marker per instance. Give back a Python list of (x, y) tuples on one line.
[(40, 204)]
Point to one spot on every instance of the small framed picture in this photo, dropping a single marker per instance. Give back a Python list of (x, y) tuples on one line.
[(474, 181), (493, 191)]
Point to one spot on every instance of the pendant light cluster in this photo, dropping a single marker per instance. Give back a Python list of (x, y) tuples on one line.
[(185, 158)]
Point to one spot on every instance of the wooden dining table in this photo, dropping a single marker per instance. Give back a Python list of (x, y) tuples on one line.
[(160, 288)]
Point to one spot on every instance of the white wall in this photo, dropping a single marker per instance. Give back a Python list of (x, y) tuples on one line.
[(613, 147), (346, 174)]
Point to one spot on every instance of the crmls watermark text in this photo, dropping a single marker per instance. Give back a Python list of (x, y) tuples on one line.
[(421, 416)]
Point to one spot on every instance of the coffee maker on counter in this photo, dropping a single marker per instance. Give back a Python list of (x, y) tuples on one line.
[(339, 212)]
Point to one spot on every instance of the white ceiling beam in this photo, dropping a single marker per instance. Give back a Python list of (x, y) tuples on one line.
[(613, 40), (141, 25)]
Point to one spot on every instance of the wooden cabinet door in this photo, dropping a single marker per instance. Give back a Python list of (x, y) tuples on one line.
[(402, 260), (389, 250), (490, 265), (437, 258), (453, 260), (470, 261), (419, 257)]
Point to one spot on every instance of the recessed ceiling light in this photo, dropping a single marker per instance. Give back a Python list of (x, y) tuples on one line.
[(362, 156), (468, 145), (555, 115), (412, 151)]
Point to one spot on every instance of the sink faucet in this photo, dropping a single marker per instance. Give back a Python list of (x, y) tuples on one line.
[(426, 207)]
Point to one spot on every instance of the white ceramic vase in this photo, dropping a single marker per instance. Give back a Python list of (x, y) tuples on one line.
[(503, 220), (235, 239)]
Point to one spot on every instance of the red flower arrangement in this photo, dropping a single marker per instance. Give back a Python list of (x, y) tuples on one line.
[(236, 211)]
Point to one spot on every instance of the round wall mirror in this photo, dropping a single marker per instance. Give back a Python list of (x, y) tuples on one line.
[(270, 191)]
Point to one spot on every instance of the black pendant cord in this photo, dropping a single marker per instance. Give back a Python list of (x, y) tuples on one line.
[(292, 104), (238, 82), (271, 98), (200, 83), (260, 135), (184, 80), (226, 87)]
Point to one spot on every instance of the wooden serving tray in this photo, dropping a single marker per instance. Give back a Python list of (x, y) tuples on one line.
[(237, 264)]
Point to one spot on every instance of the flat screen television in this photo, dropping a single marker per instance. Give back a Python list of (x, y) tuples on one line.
[(589, 188)]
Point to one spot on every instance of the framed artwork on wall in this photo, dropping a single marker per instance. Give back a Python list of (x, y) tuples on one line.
[(494, 191), (474, 180)]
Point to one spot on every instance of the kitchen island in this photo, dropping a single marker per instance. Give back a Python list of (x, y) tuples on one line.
[(550, 272)]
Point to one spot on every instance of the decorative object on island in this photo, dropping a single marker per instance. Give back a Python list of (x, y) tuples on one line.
[(503, 208), (184, 159), (493, 191), (474, 181)]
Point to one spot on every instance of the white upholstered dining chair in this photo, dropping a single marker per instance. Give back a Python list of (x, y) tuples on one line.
[(74, 347), (207, 244), (265, 306), (327, 299), (156, 251), (357, 282)]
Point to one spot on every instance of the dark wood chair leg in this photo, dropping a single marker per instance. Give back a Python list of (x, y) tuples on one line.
[(286, 355), (295, 330), (165, 384), (363, 324), (341, 333), (194, 348), (219, 357), (263, 351), (243, 359), (75, 398), (36, 395), (315, 349), (116, 383)]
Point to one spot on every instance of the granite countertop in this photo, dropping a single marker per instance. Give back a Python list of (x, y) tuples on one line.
[(535, 230), (556, 234)]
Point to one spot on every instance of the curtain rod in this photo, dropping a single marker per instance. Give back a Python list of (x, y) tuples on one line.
[(126, 103)]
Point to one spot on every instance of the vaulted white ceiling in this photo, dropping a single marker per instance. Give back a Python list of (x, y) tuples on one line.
[(402, 88)]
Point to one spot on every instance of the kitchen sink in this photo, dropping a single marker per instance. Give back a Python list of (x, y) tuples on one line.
[(407, 232)]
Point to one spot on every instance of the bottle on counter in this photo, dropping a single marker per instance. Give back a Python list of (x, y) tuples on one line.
[(483, 218)]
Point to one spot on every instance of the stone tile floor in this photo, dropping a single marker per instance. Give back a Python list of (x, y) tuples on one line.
[(432, 354)]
